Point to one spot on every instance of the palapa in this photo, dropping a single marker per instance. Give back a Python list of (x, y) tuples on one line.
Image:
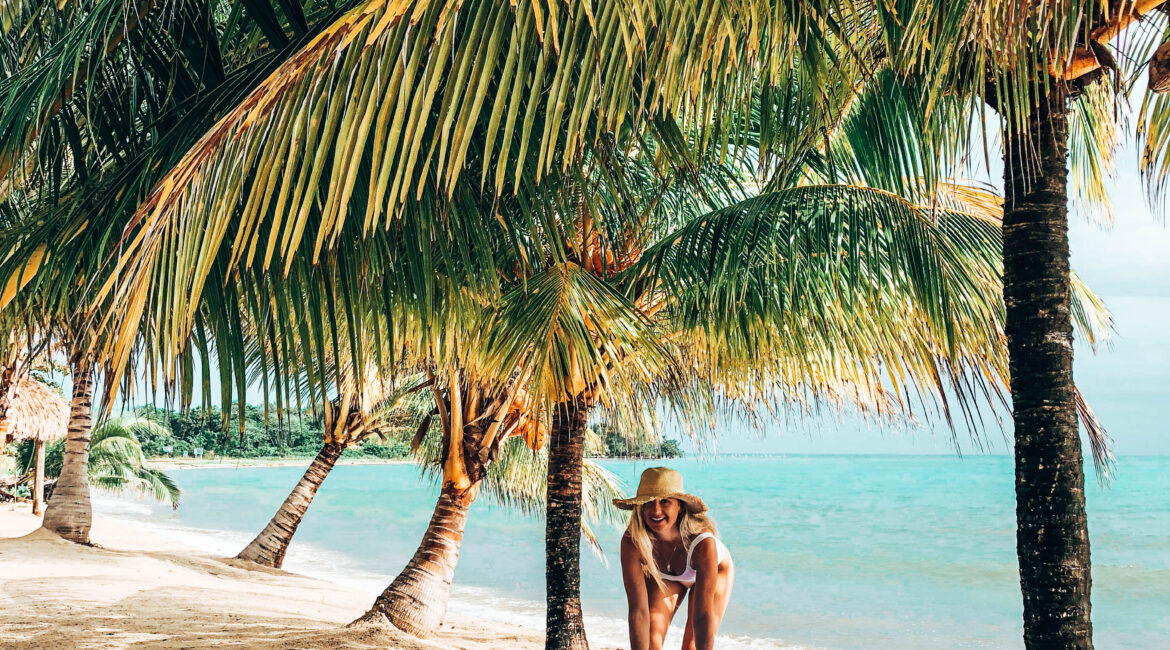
[(36, 413)]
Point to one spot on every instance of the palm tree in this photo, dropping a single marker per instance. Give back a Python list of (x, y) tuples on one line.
[(1046, 70), (1052, 535), (100, 98), (416, 601), (116, 462), (52, 323), (268, 548), (346, 424), (475, 424), (70, 514)]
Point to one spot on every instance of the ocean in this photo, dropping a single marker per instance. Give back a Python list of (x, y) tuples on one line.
[(831, 551)]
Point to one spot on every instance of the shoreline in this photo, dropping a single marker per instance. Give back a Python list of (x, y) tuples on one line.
[(173, 464), (467, 602), (137, 587), (482, 602)]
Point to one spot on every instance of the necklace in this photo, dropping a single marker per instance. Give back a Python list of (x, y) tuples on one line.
[(669, 555)]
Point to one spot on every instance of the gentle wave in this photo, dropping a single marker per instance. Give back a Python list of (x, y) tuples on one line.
[(333, 566)]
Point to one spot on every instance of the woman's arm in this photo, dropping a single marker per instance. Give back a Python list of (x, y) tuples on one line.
[(635, 581), (705, 561)]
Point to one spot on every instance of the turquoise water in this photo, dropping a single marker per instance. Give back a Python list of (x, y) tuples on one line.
[(831, 551)]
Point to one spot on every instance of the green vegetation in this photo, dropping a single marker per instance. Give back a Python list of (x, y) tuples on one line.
[(293, 434), (287, 434), (117, 459), (609, 442)]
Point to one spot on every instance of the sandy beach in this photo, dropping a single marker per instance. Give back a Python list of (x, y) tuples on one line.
[(143, 590)]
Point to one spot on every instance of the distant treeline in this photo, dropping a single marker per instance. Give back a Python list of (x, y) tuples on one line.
[(295, 434), (613, 444), (285, 434)]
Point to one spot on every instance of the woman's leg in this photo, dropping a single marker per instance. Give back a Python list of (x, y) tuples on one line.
[(662, 607), (723, 586)]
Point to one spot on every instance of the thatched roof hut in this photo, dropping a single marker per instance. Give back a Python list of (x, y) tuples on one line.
[(39, 414), (36, 412)]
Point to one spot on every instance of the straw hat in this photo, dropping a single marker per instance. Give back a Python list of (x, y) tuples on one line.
[(661, 483)]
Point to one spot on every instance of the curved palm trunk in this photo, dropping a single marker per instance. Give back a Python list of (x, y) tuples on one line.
[(416, 601), (271, 544), (38, 491), (1052, 539), (564, 625), (68, 513)]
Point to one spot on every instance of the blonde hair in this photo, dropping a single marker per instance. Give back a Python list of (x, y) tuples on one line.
[(690, 524)]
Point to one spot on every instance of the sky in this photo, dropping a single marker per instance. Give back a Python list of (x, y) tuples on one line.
[(1127, 382)]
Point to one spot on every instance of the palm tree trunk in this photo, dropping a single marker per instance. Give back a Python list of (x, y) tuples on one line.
[(564, 625), (416, 601), (38, 491), (68, 513), (271, 544), (1052, 539)]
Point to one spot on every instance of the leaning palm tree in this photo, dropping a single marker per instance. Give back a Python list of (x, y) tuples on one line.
[(515, 477), (347, 423), (476, 424)]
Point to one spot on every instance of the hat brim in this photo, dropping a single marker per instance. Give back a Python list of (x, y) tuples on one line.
[(693, 504)]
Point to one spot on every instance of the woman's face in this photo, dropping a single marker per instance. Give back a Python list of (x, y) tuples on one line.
[(661, 515)]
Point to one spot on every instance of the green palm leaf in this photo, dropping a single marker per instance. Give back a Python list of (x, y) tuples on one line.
[(116, 460)]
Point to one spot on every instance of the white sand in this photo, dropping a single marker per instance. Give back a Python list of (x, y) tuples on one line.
[(143, 590)]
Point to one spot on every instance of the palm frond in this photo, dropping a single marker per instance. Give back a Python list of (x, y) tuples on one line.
[(842, 291), (117, 462), (1094, 135), (576, 333), (397, 104)]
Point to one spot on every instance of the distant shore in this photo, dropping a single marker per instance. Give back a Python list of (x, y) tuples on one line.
[(171, 464)]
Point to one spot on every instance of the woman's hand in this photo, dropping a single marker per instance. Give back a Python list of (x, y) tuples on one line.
[(635, 581), (705, 561)]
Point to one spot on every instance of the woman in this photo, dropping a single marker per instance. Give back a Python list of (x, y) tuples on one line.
[(670, 549)]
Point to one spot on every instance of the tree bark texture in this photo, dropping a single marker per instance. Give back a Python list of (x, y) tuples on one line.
[(271, 544), (564, 625), (38, 491), (416, 601), (1052, 540), (69, 513)]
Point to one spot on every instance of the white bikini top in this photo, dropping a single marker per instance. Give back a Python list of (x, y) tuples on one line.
[(688, 577)]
